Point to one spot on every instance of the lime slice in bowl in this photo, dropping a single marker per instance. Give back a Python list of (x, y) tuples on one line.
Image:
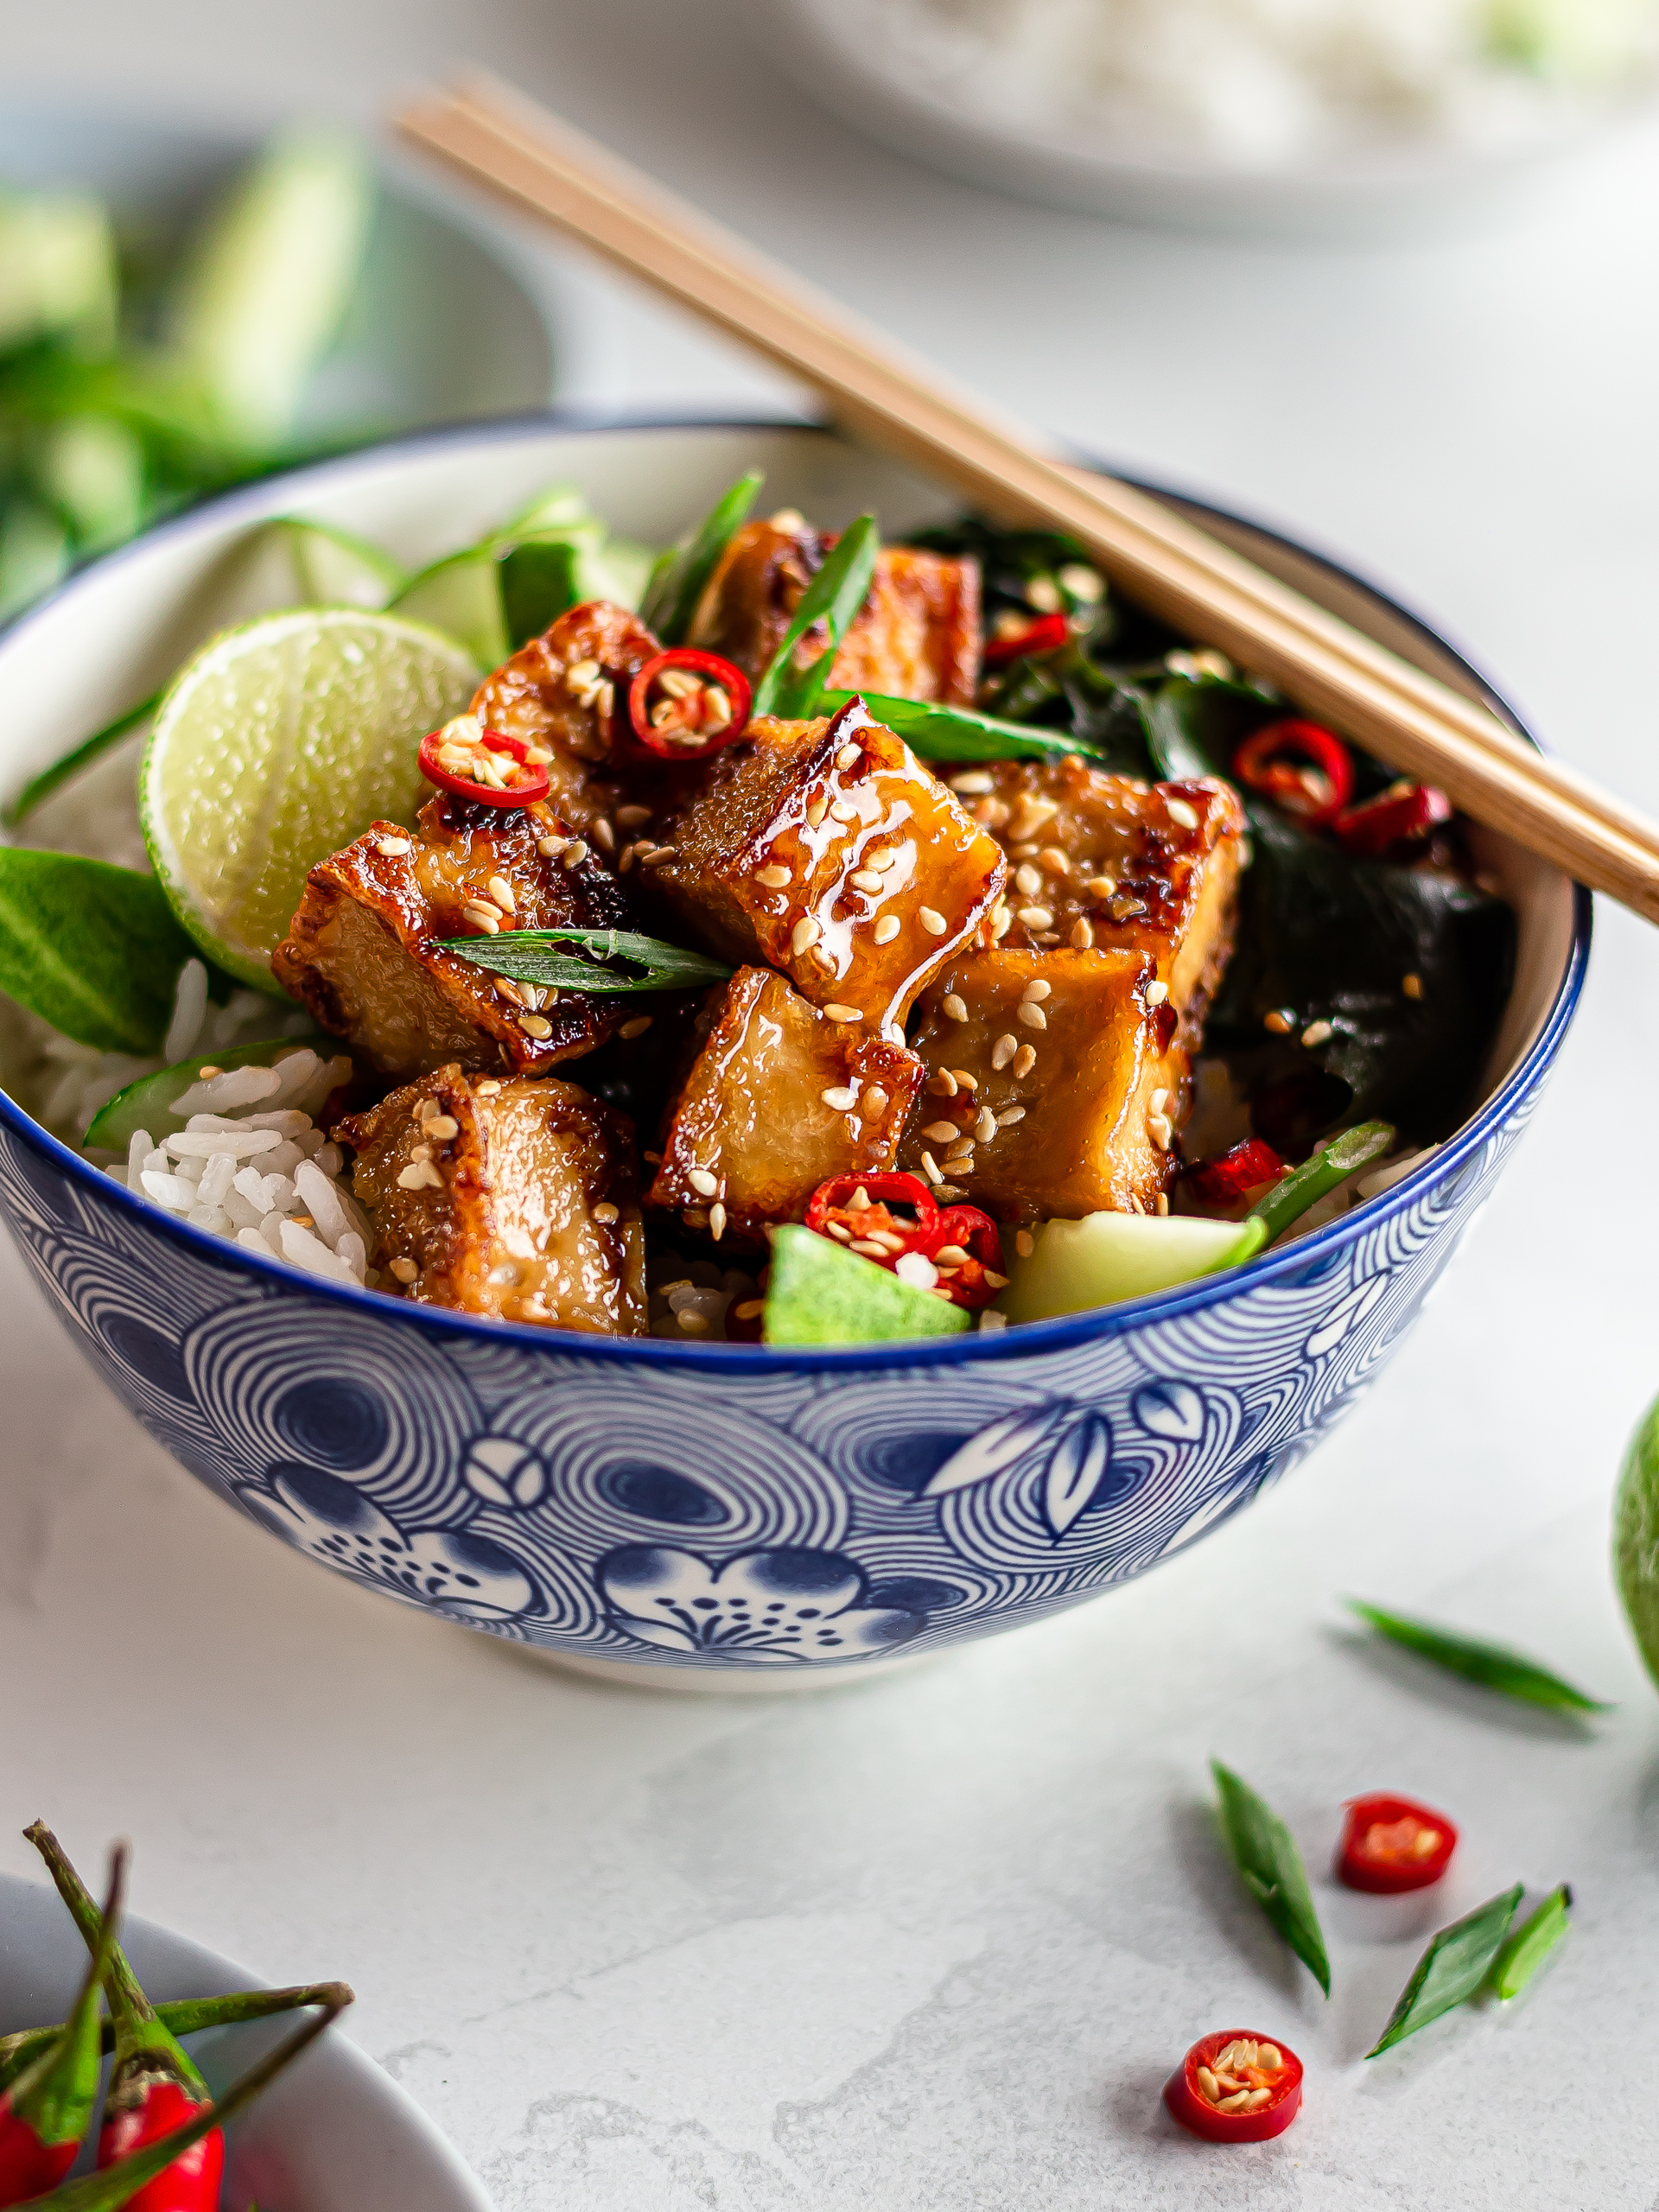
[(279, 743)]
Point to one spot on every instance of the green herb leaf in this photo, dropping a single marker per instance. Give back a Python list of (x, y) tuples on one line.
[(679, 580), (1271, 1869), (1316, 1178), (71, 763), (95, 949), (939, 733), (1451, 1969), (529, 957), (1532, 1943), (1494, 1668), (833, 597)]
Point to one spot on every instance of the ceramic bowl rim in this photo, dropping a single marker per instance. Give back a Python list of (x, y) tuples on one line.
[(1033, 1339)]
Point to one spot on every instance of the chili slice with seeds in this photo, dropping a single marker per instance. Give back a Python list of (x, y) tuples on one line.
[(1405, 814), (685, 704), (1046, 635), (1236, 2088), (1390, 1844), (857, 1211), (1301, 767), (975, 1279), (480, 765)]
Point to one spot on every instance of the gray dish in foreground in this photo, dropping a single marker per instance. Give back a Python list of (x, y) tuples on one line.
[(335, 2135)]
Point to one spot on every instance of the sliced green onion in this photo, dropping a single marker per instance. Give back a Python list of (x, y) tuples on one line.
[(934, 732), (679, 580), (530, 956), (1491, 1665), (1271, 1869), (1532, 1943), (1451, 1970), (833, 597), (1316, 1179)]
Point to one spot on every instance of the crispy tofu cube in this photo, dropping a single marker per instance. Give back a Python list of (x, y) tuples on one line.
[(363, 950), (1102, 861), (826, 849), (1053, 1087), (917, 636), (517, 1199), (778, 1099), (566, 691)]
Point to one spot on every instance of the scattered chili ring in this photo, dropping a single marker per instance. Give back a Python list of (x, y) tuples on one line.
[(1223, 2091), (1390, 1844), (1315, 792), (973, 1279), (685, 704), (1405, 814), (465, 759), (857, 1211), (1234, 1175), (1044, 635)]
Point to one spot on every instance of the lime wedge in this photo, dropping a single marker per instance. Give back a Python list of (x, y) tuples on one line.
[(280, 742)]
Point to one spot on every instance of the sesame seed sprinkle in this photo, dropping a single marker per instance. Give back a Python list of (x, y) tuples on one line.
[(1032, 1016), (932, 921), (1003, 1051), (887, 929), (1156, 993), (406, 1270), (1024, 1060), (1317, 1033), (953, 1007)]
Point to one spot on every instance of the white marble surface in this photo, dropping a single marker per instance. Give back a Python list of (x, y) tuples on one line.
[(937, 1941)]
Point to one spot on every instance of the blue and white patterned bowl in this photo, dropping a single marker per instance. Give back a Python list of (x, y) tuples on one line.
[(727, 1515)]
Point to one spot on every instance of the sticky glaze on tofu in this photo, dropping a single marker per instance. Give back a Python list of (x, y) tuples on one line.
[(1053, 1088), (917, 636), (517, 1199), (825, 849), (1102, 861), (363, 951), (563, 691), (778, 1099)]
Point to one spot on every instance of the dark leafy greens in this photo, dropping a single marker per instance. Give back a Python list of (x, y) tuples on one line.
[(941, 733)]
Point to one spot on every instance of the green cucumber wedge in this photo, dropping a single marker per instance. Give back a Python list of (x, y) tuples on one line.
[(819, 1293), (1106, 1257), (147, 1103)]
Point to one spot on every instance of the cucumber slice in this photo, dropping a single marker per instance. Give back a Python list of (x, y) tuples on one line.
[(1108, 1257), (94, 469), (147, 1103), (818, 1293), (461, 595), (57, 270), (332, 567)]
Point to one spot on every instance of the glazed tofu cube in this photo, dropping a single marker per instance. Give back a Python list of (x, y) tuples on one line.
[(778, 1099), (363, 950), (917, 636), (825, 849), (1105, 860), (517, 1199), (1053, 1087), (566, 693)]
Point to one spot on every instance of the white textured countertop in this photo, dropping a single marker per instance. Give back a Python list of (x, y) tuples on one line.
[(936, 1941)]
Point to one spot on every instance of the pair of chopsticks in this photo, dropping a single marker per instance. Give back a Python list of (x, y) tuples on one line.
[(1410, 720)]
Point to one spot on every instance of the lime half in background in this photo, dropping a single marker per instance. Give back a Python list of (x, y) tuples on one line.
[(280, 742), (1636, 1537)]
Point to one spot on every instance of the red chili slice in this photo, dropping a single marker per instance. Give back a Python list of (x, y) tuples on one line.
[(1260, 2080), (1390, 1844), (974, 1280), (1043, 636), (857, 1211), (685, 704), (1317, 789), (1234, 1175), (452, 759), (1405, 814)]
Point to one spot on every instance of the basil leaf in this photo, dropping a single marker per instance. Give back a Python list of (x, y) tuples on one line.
[(1532, 1943), (1511, 1673), (529, 957), (1451, 1969), (95, 951), (78, 756), (1271, 1869), (833, 597), (679, 580), (939, 733), (1316, 1178)]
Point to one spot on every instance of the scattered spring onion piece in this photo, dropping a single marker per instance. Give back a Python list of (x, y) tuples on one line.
[(833, 597), (1271, 1868), (1451, 1969), (1390, 1845), (1316, 1179), (1494, 1667), (680, 579), (531, 956), (818, 1292), (1236, 2088), (1532, 1943), (39, 788), (95, 949), (939, 733)]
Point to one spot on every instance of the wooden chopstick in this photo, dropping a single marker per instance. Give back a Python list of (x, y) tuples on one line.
[(1407, 719)]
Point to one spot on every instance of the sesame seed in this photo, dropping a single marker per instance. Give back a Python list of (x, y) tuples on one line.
[(584, 671), (867, 1248), (774, 878), (1412, 986), (1035, 918), (950, 1191), (1003, 1051), (960, 1158), (637, 1027), (1032, 1016), (941, 1132), (1163, 1202), (1024, 1243), (750, 1310), (848, 757), (953, 1005), (574, 854), (487, 1086), (658, 854), (844, 812), (986, 1124), (875, 1103), (406, 1270), (943, 1083), (917, 1269), (1043, 593), (602, 835), (1035, 993), (630, 817), (1183, 816), (550, 848), (1317, 1032), (1026, 881), (1100, 887), (932, 921), (441, 1127), (842, 1234), (1009, 1116), (1159, 1128), (930, 1169), (695, 1216), (817, 807), (865, 879), (482, 918), (1002, 922), (393, 848), (1082, 934), (836, 1012), (537, 1025), (716, 1220), (693, 1324), (207, 1074), (1033, 814), (1160, 1100), (1156, 993), (841, 1097), (1053, 861), (420, 1175), (991, 813), (952, 1255), (705, 1184), (804, 935), (1024, 1060), (887, 929), (973, 782), (501, 891), (1126, 907)]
